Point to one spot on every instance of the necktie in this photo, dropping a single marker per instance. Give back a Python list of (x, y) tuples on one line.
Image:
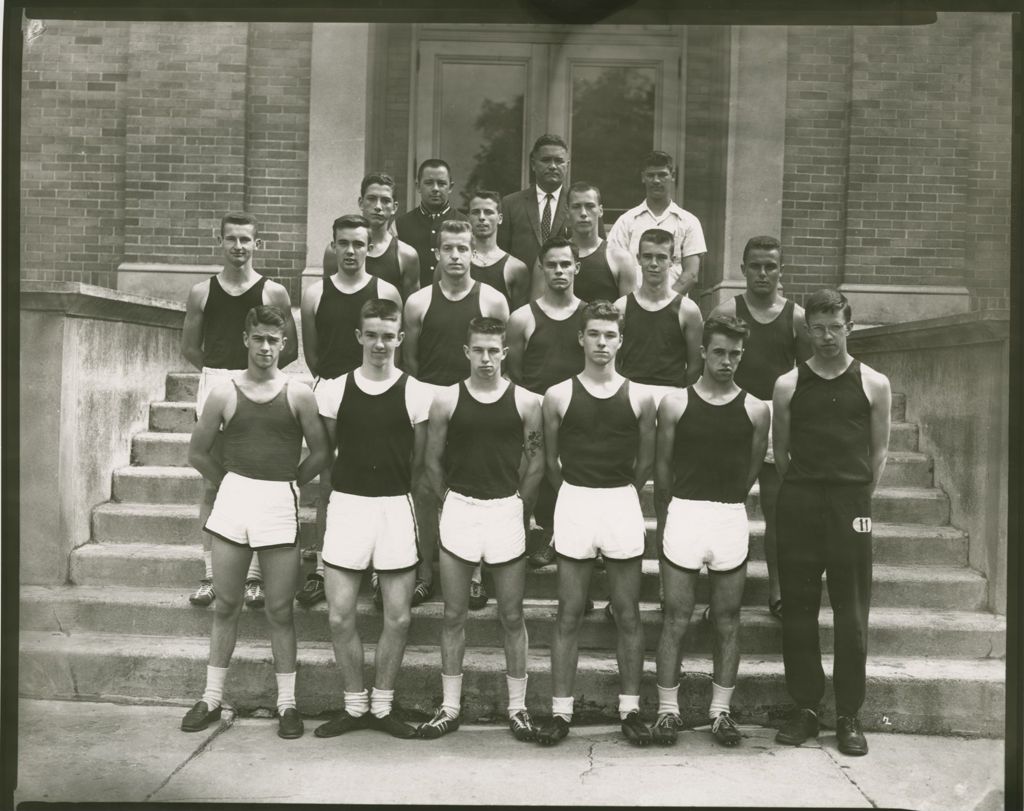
[(545, 220)]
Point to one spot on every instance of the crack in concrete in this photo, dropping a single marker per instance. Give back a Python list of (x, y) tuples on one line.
[(227, 719), (845, 771), (590, 762), (60, 626)]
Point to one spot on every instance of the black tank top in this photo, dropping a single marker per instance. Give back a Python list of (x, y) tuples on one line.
[(223, 324), (494, 275), (263, 440), (598, 438), (337, 318), (375, 440), (386, 266), (769, 352), (485, 444), (653, 348), (441, 359), (829, 428), (595, 279), (553, 353), (711, 454)]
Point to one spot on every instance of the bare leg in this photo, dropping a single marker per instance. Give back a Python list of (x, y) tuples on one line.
[(768, 479), (230, 562), (397, 592), (455, 576), (573, 581), (726, 598), (509, 585), (680, 595), (342, 588), (282, 568), (624, 586)]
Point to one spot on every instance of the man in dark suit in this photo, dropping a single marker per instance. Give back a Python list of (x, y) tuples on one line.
[(538, 212)]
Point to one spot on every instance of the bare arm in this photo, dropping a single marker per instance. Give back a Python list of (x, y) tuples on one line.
[(492, 303), (690, 272), (419, 479), (516, 337), (305, 409), (205, 432), (623, 268), (537, 283), (879, 393), (413, 322), (437, 437), (645, 449), (692, 326), (517, 280), (532, 471), (275, 294), (409, 264), (761, 419), (330, 262), (192, 329), (668, 415), (310, 301), (552, 417), (783, 394), (803, 340)]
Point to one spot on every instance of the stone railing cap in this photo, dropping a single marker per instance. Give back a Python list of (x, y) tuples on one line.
[(78, 300)]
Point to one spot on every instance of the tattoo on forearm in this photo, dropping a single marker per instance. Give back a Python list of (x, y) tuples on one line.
[(534, 443)]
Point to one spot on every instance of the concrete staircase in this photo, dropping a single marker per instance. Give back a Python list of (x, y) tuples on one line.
[(123, 629)]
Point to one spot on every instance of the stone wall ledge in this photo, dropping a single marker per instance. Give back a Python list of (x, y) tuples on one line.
[(77, 300), (961, 329)]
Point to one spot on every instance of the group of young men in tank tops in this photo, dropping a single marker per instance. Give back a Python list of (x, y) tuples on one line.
[(453, 413)]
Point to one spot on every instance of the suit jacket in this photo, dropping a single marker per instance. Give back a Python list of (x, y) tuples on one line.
[(519, 232)]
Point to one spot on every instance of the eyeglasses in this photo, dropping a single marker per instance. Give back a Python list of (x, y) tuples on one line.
[(835, 330)]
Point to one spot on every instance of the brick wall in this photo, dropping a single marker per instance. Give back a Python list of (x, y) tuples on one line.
[(277, 146), (72, 152)]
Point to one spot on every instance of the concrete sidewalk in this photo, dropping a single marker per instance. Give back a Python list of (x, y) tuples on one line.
[(93, 752)]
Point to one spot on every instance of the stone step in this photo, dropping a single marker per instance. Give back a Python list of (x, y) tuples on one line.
[(165, 611), (173, 566), (179, 524), (159, 484), (904, 468), (904, 694)]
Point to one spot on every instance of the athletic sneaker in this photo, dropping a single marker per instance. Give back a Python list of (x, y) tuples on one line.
[(199, 717), (477, 595), (440, 724), (552, 732), (204, 595), (801, 726), (340, 724), (312, 592), (635, 730), (254, 594), (390, 725), (666, 729), (542, 557), (849, 737), (725, 730), (289, 724), (522, 727)]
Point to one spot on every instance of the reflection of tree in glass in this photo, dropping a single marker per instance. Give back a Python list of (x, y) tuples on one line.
[(613, 130), (499, 159)]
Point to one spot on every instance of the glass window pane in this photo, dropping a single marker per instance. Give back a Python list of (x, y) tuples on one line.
[(612, 130), (482, 126)]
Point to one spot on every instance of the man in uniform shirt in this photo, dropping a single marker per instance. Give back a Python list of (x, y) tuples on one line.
[(484, 443), (831, 434), (330, 323), (215, 313), (436, 320), (659, 211), (419, 226), (387, 257), (599, 448), (777, 341)]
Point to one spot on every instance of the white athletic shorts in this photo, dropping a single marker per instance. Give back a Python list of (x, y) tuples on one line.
[(706, 532), (655, 391), (209, 377), (589, 520), (474, 529), (769, 455), (365, 531), (256, 513)]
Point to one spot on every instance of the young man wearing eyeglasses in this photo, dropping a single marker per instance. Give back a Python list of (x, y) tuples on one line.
[(831, 435)]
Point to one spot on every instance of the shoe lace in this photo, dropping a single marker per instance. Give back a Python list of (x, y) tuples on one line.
[(849, 724), (723, 720), (521, 720), (668, 720)]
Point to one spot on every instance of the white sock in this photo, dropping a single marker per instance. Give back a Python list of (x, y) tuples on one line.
[(214, 692), (561, 706), (478, 574), (319, 563), (721, 697), (516, 693), (668, 700), (628, 704), (381, 701), (254, 572), (451, 688), (208, 564), (357, 704), (285, 691)]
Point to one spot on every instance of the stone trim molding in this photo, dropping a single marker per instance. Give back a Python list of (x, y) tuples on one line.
[(890, 303), (978, 327), (77, 300)]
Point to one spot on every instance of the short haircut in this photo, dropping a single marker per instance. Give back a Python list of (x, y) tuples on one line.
[(582, 187), (239, 218), (762, 243), (827, 300), (486, 194), (485, 325), (383, 308), (266, 314), (557, 242), (380, 179), (547, 139), (659, 159), (726, 325), (453, 227), (433, 163), (349, 221), (600, 310), (659, 236)]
